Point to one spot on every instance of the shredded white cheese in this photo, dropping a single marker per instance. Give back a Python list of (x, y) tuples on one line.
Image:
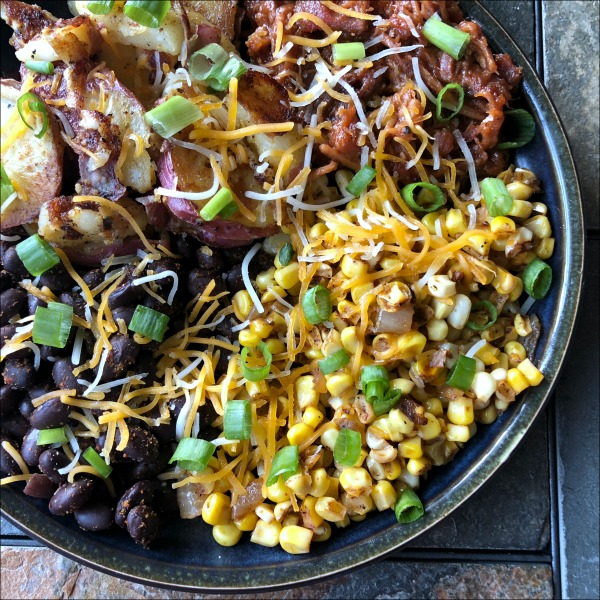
[(475, 348), (77, 346), (527, 305), (162, 275), (246, 278), (472, 216), (274, 195), (475, 192), (117, 382), (92, 386), (72, 439), (193, 196), (71, 465), (360, 113), (200, 149), (419, 80), (400, 217)]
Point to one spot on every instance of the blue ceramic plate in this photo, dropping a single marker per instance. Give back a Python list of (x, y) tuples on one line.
[(187, 557)]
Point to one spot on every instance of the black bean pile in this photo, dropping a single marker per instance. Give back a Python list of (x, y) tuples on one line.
[(141, 501)]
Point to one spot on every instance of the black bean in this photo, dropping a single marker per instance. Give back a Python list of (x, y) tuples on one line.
[(39, 486), (57, 279), (234, 256), (13, 303), (185, 245), (76, 301), (50, 462), (51, 354), (62, 374), (30, 451), (123, 312), (146, 363), (7, 280), (94, 516), (223, 362), (162, 265), (93, 278), (9, 400), (142, 445), (6, 333), (234, 280), (8, 465), (197, 282), (126, 293), (39, 390), (52, 413), (225, 326), (13, 264), (149, 470), (140, 493), (19, 373), (142, 525), (122, 355), (15, 426), (33, 302), (154, 304), (70, 497), (210, 260), (26, 407)]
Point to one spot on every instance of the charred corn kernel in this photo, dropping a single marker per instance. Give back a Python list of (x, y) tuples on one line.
[(456, 223), (357, 505), (275, 345), (375, 468), (418, 466), (504, 282), (517, 291), (502, 225), (216, 509), (261, 328), (404, 385), (410, 447), (320, 483), (407, 478), (242, 305), (359, 291), (349, 339), (429, 221), (460, 411), (306, 395), (410, 345), (502, 361), (517, 380), (278, 321), (356, 481), (322, 533), (351, 267), (299, 484), (480, 244), (287, 277), (545, 248), (389, 263), (266, 534), (458, 433), (277, 492), (317, 231), (310, 517), (312, 417), (516, 353), (265, 512), (338, 383), (282, 509), (266, 279), (271, 294), (460, 312), (329, 437), (539, 226), (442, 308), (519, 190), (382, 428), (299, 433), (295, 539), (247, 522), (399, 422), (499, 244), (441, 286), (432, 428), (434, 406), (437, 330), (384, 495), (333, 490), (291, 519), (392, 470), (249, 338), (521, 209), (533, 375), (226, 535)]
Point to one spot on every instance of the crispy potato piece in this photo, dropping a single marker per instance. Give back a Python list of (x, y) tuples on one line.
[(35, 166), (220, 13)]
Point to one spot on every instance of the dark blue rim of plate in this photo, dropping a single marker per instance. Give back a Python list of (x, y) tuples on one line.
[(306, 569)]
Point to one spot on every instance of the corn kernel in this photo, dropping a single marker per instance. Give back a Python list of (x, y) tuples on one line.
[(320, 483), (266, 534), (522, 325), (432, 429), (275, 345), (249, 338), (258, 390), (216, 509), (299, 433), (517, 380), (434, 406), (329, 509), (488, 415), (306, 394), (545, 248), (442, 308), (349, 339), (300, 484), (404, 385), (277, 492), (392, 470), (458, 433), (389, 263), (329, 437), (312, 417), (437, 330), (287, 277), (322, 533), (539, 226), (351, 267), (359, 291), (261, 328), (533, 375), (480, 244), (356, 481), (410, 447), (429, 221), (317, 231), (338, 383), (247, 522), (226, 535), (460, 411), (456, 223), (410, 345), (266, 279), (271, 294), (384, 495), (282, 509), (516, 353), (519, 190), (295, 539), (242, 305), (310, 518), (418, 466), (502, 225), (399, 422), (521, 209), (517, 291)]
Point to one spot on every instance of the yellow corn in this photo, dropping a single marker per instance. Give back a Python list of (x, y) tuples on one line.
[(545, 248), (266, 534), (460, 411), (265, 512), (317, 231), (517, 291), (306, 394), (275, 345), (291, 519), (456, 223), (433, 406), (216, 510), (516, 353), (266, 279), (533, 375), (502, 225), (249, 338), (312, 417), (299, 433), (429, 221), (410, 447), (392, 470), (488, 354), (310, 517), (404, 385), (359, 291), (432, 429), (519, 190), (320, 483), (277, 492), (271, 294), (349, 339), (458, 433), (295, 540), (226, 535), (480, 244), (389, 263), (398, 422), (300, 484), (329, 437), (338, 383), (356, 481), (333, 490), (247, 522), (352, 267), (539, 226), (437, 329), (287, 277), (282, 509), (521, 209), (384, 495), (410, 345), (242, 305), (418, 466), (322, 533), (517, 380), (258, 390), (261, 328)]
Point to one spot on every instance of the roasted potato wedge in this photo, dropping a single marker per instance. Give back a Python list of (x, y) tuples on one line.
[(34, 166)]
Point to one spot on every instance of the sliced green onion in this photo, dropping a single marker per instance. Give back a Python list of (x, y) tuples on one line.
[(172, 116), (537, 278), (35, 105), (285, 254), (346, 450), (6, 187), (316, 305), (519, 125), (487, 319), (462, 373), (349, 51), (52, 436), (40, 66), (497, 199), (149, 13), (256, 373), (358, 184), (334, 362), (37, 255), (440, 99), (149, 322), (219, 202), (381, 406), (97, 462), (52, 325), (100, 7), (229, 210), (452, 41), (237, 421), (285, 462), (429, 199), (408, 507), (375, 382), (193, 454), (232, 68), (205, 63)]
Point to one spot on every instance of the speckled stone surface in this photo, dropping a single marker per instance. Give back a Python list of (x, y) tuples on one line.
[(58, 577)]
